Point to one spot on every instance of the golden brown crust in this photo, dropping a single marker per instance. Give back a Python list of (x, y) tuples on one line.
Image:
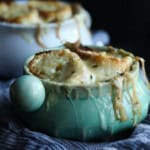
[(90, 66), (31, 64), (15, 13), (31, 17), (63, 66), (112, 59), (34, 12), (41, 56), (52, 10)]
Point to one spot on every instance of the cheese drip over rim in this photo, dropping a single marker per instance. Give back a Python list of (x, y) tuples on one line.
[(76, 65)]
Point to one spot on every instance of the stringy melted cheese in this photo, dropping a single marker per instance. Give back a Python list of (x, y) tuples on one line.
[(78, 65), (38, 13)]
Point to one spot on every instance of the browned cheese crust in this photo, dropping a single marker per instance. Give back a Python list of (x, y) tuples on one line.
[(35, 12)]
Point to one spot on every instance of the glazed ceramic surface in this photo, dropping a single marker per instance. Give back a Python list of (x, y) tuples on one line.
[(18, 42), (85, 112)]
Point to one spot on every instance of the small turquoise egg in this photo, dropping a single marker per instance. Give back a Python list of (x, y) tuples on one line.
[(27, 93)]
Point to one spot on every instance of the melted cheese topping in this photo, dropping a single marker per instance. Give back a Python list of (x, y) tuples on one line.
[(106, 67), (34, 12), (84, 67), (78, 65), (52, 10), (60, 66)]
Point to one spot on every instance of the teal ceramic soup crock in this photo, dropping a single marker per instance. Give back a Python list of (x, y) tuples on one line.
[(83, 112)]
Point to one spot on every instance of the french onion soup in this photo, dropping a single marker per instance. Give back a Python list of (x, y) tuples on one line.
[(76, 65)]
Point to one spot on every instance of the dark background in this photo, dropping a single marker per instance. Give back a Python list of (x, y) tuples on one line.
[(127, 22)]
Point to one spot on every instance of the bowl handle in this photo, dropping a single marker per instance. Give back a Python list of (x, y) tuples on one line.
[(27, 93)]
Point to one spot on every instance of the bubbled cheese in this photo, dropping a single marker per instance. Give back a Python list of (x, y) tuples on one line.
[(80, 67)]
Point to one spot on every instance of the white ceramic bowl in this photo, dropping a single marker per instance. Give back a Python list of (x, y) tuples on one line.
[(18, 42)]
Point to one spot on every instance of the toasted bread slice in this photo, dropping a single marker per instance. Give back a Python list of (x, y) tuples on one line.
[(60, 66)]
